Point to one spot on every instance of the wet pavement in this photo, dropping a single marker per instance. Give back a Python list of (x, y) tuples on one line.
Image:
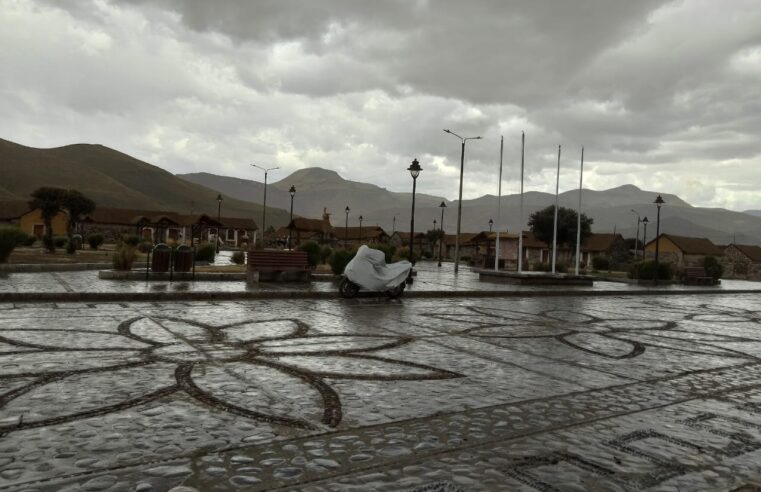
[(572, 393), (430, 279)]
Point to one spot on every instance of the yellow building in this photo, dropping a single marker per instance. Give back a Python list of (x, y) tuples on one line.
[(683, 251), (32, 223)]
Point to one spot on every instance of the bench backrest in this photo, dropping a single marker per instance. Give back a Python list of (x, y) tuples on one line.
[(278, 258)]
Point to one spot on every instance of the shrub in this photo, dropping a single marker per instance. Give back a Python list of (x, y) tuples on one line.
[(402, 253), (239, 257), (95, 240), (313, 252), (29, 240), (325, 253), (131, 240), (600, 263), (48, 243), (646, 270), (205, 252), (465, 258), (712, 267), (60, 241), (10, 237), (541, 267), (145, 247), (124, 257), (339, 259), (388, 250)]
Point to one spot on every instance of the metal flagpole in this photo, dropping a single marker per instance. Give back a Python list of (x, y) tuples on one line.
[(555, 229), (520, 230), (499, 203), (578, 212)]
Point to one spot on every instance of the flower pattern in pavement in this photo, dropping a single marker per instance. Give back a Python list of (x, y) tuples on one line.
[(262, 370)]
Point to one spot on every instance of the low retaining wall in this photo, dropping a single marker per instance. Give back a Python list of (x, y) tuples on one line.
[(140, 275)]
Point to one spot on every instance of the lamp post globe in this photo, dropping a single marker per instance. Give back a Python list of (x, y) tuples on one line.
[(644, 236), (491, 224), (414, 170)]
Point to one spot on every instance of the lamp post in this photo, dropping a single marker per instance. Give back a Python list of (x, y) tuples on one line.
[(414, 170), (644, 237), (292, 192), (491, 224), (264, 206), (219, 218), (636, 241), (441, 227), (393, 225), (459, 200), (658, 202), (346, 229), (360, 229)]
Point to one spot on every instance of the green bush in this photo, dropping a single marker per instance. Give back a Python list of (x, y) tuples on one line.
[(427, 254), (145, 246), (29, 241), (10, 237), (131, 240), (325, 253), (339, 259), (646, 270), (95, 240), (60, 241), (387, 249), (205, 252), (402, 253), (124, 257), (239, 257), (541, 267), (712, 267), (313, 252), (600, 263)]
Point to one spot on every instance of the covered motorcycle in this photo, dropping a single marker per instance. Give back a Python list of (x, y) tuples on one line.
[(368, 271)]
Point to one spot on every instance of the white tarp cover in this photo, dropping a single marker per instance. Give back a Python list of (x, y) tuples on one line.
[(369, 270)]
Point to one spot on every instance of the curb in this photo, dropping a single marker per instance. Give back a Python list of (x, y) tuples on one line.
[(333, 295), (50, 267)]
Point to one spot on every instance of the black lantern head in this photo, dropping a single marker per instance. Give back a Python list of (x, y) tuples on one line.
[(659, 201), (443, 205), (645, 221), (292, 191), (414, 169), (219, 198)]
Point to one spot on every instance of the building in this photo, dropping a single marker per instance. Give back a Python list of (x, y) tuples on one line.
[(682, 251), (742, 261), (608, 245), (485, 243), (356, 236), (467, 248)]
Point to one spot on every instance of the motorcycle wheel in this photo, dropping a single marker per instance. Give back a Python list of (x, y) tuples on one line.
[(396, 291), (347, 288)]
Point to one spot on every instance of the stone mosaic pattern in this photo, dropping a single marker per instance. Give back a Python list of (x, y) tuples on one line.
[(576, 393)]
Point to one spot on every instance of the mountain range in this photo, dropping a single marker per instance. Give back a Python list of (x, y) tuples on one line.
[(112, 178)]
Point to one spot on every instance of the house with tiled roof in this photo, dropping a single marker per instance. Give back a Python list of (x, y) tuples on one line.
[(356, 236), (681, 250), (605, 244), (742, 261), (485, 244)]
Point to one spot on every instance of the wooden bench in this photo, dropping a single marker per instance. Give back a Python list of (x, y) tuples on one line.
[(698, 276), (272, 265)]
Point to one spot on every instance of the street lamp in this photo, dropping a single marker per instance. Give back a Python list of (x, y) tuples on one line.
[(264, 209), (346, 229), (636, 241), (658, 202), (414, 170), (434, 224), (292, 192), (393, 225), (360, 229), (459, 200), (644, 237), (219, 217), (491, 224), (441, 225)]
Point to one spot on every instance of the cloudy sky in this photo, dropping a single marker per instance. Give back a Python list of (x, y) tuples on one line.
[(665, 95)]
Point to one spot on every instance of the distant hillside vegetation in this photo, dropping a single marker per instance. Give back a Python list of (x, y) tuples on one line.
[(114, 179)]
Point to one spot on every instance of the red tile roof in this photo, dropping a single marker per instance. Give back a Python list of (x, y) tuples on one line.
[(752, 252)]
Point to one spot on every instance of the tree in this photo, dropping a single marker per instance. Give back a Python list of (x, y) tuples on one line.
[(542, 221), (433, 236), (49, 201), (77, 205)]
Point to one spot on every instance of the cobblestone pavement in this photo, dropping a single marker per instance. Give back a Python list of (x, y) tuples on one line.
[(430, 278), (572, 393)]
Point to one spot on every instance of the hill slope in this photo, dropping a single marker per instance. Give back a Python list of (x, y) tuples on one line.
[(114, 179)]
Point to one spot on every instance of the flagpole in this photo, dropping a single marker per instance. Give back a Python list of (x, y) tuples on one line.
[(521, 224), (578, 212), (555, 228), (499, 203)]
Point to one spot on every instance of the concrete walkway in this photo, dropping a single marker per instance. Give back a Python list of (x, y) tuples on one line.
[(431, 281)]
